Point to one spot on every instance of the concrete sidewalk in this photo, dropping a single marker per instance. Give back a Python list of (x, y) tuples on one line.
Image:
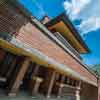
[(25, 96)]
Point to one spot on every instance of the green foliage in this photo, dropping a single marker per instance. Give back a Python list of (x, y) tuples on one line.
[(96, 69), (5, 36)]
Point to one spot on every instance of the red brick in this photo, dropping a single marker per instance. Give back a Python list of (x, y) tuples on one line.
[(36, 39)]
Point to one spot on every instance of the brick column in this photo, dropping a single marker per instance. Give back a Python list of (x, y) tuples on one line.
[(61, 87), (51, 84), (8, 74), (77, 92), (18, 76), (60, 91), (36, 86), (98, 88), (35, 72), (2, 55)]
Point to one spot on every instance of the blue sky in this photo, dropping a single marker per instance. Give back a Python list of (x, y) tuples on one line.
[(39, 8), (85, 15)]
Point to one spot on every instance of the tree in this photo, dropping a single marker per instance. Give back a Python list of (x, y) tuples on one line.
[(96, 69)]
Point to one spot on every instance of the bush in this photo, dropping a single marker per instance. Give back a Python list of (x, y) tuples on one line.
[(5, 36)]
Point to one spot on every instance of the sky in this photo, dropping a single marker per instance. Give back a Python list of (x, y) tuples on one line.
[(84, 14)]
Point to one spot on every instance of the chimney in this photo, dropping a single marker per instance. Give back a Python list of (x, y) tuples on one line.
[(45, 20)]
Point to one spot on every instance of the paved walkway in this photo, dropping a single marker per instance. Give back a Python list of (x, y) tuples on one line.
[(25, 96)]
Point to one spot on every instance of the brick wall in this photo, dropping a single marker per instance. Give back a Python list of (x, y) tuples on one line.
[(89, 92), (10, 19), (34, 38)]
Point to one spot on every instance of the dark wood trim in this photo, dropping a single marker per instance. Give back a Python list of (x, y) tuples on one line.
[(63, 17)]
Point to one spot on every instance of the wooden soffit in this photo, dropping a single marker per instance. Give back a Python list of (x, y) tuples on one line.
[(68, 35)]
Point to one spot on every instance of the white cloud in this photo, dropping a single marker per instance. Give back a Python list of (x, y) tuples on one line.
[(73, 8), (90, 24), (40, 8)]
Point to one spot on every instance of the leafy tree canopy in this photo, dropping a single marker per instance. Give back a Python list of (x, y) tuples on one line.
[(96, 69)]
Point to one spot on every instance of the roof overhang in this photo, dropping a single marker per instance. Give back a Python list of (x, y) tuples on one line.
[(63, 25)]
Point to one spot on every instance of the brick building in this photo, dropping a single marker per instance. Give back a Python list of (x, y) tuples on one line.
[(45, 57)]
